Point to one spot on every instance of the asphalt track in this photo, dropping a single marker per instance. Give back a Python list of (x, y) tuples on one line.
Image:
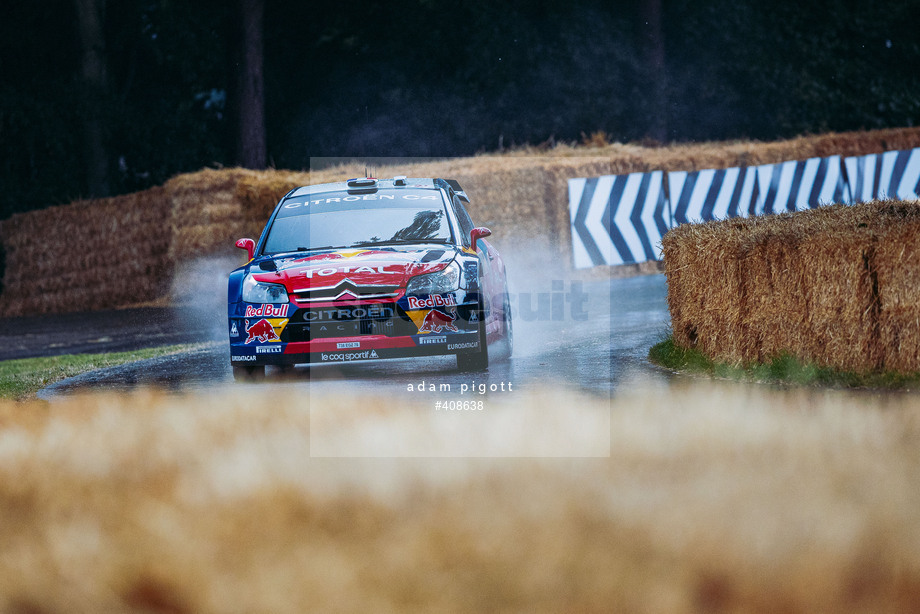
[(591, 336)]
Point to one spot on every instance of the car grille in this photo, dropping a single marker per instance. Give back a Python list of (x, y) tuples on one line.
[(348, 321), (345, 291)]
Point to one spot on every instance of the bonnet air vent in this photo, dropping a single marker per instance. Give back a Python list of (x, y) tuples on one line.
[(432, 255)]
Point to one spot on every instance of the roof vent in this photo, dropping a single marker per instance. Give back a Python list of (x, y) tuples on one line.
[(362, 182), (399, 180)]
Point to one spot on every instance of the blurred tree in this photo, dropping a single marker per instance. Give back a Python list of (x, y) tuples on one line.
[(655, 67), (250, 88), (93, 91), (159, 87)]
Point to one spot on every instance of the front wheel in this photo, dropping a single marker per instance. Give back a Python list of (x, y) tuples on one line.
[(248, 374), (507, 343), (480, 360)]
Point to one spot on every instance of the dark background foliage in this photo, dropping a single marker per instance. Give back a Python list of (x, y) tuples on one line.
[(437, 78)]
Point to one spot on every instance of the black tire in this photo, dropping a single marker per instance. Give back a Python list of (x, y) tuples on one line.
[(248, 374), (507, 342), (478, 361), (286, 370)]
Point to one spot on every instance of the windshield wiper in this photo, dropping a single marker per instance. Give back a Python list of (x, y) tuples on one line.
[(297, 250), (401, 242), (313, 249)]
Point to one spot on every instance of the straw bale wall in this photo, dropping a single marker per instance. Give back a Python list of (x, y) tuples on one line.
[(837, 286), (125, 250), (204, 212), (87, 255), (898, 273)]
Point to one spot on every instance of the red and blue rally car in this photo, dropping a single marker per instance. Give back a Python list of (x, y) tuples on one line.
[(369, 269)]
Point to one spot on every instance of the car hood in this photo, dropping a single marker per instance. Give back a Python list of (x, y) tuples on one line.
[(367, 267)]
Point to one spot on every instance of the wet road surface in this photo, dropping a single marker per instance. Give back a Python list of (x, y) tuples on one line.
[(592, 336), (95, 332)]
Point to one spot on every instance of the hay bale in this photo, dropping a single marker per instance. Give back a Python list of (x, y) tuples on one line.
[(258, 193), (837, 286), (101, 253), (896, 264), (205, 214), (140, 240)]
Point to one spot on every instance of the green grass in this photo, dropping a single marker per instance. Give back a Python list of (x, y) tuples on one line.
[(21, 379), (783, 369)]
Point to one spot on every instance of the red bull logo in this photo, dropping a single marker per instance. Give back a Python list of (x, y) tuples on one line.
[(267, 311), (437, 320), (435, 300), (261, 330)]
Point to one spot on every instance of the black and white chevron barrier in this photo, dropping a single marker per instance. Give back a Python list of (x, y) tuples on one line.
[(893, 174), (804, 184), (620, 219), (702, 196)]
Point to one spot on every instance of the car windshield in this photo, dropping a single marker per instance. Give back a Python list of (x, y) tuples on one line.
[(341, 220)]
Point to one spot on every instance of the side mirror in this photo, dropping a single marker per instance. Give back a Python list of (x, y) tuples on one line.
[(249, 245), (479, 233)]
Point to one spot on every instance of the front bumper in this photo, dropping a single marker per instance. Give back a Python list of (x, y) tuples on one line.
[(351, 350), (355, 331)]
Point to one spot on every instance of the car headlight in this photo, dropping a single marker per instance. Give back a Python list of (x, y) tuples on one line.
[(261, 292), (445, 280)]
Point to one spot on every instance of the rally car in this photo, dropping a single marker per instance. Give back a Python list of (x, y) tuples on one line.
[(369, 269)]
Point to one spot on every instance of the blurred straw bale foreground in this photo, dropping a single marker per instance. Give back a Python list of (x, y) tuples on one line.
[(714, 497), (126, 250)]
